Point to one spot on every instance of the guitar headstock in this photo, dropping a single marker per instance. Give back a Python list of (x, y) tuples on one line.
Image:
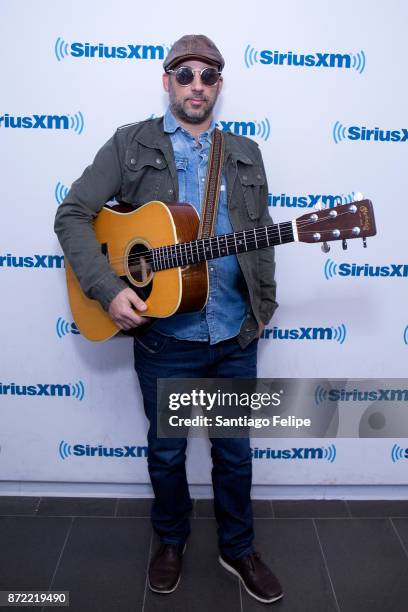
[(355, 220)]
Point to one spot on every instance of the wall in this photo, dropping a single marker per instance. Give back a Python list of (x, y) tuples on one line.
[(311, 123)]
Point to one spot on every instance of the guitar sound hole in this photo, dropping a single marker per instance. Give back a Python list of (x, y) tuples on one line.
[(140, 264)]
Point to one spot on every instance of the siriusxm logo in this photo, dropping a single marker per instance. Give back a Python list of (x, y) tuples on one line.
[(357, 395), (332, 269), (320, 452), (76, 390), (261, 129), (354, 61), (66, 450), (44, 122), (87, 50), (310, 200), (337, 334), (398, 453), (63, 328), (60, 192), (31, 261), (355, 132)]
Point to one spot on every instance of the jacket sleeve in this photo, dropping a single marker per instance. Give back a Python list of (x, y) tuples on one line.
[(266, 258), (99, 183)]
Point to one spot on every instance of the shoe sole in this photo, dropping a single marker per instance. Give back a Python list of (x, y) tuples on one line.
[(230, 569), (164, 592), (170, 590)]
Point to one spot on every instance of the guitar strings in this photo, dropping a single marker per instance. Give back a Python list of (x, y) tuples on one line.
[(229, 240), (288, 231), (169, 252)]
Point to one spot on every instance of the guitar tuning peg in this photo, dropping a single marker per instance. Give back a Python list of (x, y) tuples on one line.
[(358, 197), (325, 247), (344, 244), (365, 242)]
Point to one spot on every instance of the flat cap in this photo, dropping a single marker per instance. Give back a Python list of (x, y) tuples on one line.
[(193, 46)]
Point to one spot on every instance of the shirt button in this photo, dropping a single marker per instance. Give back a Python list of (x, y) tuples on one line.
[(158, 160), (211, 269), (244, 176), (170, 190), (203, 179), (258, 176), (133, 161), (210, 298)]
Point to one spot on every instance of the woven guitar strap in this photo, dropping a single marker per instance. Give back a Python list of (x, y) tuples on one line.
[(213, 185)]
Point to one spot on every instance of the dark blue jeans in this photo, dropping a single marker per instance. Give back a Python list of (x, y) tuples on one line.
[(159, 356)]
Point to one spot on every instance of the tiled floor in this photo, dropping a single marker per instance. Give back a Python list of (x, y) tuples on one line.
[(329, 555)]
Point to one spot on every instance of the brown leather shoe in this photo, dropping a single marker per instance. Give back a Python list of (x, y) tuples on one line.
[(165, 568), (255, 575)]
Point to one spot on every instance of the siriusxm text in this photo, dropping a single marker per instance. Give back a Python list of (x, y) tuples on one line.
[(31, 261), (303, 201), (43, 122), (129, 51), (287, 453), (376, 134), (312, 60), (298, 333), (244, 128), (81, 450), (367, 270), (386, 395), (39, 389)]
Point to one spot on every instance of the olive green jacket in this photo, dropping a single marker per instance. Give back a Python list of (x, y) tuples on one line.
[(136, 166)]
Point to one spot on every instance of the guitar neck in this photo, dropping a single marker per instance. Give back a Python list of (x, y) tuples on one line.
[(196, 251)]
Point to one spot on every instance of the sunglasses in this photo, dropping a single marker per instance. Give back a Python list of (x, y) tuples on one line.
[(185, 75)]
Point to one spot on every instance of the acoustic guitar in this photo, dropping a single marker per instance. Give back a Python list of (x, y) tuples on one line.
[(155, 250)]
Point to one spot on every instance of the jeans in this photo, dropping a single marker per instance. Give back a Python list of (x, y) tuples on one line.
[(159, 356)]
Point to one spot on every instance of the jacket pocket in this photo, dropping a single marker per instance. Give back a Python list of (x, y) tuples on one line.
[(251, 178), (145, 172)]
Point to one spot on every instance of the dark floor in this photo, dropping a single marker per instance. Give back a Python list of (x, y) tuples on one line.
[(329, 555)]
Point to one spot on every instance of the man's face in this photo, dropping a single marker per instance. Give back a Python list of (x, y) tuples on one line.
[(192, 103)]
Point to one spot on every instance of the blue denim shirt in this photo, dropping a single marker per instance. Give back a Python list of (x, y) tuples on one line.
[(226, 306)]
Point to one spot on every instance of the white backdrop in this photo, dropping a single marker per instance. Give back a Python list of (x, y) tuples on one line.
[(60, 393)]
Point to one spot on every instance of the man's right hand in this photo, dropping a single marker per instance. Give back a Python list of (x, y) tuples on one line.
[(122, 313)]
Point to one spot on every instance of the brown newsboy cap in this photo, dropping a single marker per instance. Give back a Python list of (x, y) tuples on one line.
[(193, 46)]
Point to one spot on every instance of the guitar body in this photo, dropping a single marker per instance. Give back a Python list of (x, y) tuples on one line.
[(124, 237)]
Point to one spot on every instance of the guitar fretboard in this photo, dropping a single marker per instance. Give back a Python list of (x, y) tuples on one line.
[(196, 251)]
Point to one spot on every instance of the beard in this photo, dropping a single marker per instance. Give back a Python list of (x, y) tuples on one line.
[(179, 108), (193, 116)]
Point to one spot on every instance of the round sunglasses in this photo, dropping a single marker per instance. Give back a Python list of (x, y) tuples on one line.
[(185, 75)]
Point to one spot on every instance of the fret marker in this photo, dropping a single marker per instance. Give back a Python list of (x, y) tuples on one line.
[(295, 232)]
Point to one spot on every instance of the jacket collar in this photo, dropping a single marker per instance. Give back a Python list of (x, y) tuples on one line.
[(171, 125), (153, 134)]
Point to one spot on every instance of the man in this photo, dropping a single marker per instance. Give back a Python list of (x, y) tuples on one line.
[(166, 159)]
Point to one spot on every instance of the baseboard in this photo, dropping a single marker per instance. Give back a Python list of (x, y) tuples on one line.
[(85, 489)]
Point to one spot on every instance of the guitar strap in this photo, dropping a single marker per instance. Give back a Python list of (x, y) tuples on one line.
[(212, 187)]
